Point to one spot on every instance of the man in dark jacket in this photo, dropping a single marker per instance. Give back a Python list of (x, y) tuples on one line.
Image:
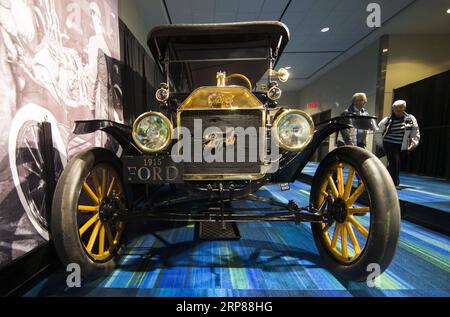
[(353, 136)]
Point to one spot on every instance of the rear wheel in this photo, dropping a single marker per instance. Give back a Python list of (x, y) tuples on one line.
[(358, 234), (89, 200)]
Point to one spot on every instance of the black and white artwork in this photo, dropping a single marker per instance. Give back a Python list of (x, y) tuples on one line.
[(58, 63)]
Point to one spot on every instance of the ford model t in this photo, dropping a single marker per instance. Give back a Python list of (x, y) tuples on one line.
[(217, 137)]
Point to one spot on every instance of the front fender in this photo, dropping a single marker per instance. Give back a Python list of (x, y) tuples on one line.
[(120, 132)]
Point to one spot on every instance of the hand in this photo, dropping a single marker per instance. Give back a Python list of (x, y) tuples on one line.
[(410, 149)]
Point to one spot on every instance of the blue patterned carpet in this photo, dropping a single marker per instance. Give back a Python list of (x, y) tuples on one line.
[(270, 260), (421, 190)]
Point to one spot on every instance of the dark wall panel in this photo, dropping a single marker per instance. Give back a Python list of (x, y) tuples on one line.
[(429, 101)]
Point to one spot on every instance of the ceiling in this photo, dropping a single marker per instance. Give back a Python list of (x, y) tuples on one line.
[(310, 52)]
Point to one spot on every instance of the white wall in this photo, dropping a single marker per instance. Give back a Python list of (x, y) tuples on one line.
[(289, 99), (335, 89), (412, 58)]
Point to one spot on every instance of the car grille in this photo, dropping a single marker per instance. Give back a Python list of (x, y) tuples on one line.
[(223, 119)]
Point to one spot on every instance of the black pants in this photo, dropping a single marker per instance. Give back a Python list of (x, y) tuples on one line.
[(394, 156)]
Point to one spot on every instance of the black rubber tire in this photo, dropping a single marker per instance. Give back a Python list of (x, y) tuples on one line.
[(64, 227), (385, 213)]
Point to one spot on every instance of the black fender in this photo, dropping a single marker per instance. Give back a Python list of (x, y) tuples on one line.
[(120, 132), (290, 170)]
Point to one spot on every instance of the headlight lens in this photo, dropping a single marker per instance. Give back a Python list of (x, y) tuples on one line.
[(294, 130), (152, 132)]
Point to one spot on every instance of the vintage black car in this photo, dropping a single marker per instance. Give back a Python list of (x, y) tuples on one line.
[(218, 137)]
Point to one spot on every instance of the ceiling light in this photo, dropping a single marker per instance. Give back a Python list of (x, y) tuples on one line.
[(324, 30), (448, 11), (385, 50)]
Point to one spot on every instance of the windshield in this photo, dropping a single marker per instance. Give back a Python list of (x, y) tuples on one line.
[(196, 65)]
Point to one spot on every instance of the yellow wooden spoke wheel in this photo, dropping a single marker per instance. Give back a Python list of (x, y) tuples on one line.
[(345, 236), (355, 194), (100, 197), (88, 212)]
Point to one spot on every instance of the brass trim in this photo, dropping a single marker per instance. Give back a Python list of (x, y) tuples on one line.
[(282, 74), (221, 79), (165, 119), (220, 109), (245, 98), (241, 76), (233, 176), (281, 116)]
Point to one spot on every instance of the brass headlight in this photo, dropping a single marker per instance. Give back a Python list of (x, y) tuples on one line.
[(152, 132), (293, 130)]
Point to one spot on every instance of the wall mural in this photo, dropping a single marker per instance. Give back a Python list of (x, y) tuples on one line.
[(58, 63)]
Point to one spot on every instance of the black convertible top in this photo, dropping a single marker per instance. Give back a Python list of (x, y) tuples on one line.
[(273, 33), (197, 51)]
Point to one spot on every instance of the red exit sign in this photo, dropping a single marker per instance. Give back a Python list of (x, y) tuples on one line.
[(313, 105)]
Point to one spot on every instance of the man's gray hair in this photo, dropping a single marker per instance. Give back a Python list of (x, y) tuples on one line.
[(357, 95), (399, 104)]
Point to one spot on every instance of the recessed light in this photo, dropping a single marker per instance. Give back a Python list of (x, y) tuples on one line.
[(448, 11), (324, 30)]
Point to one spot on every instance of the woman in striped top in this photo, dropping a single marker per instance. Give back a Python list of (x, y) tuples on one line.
[(399, 132)]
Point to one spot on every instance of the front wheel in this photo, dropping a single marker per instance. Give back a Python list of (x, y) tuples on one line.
[(358, 236), (88, 202)]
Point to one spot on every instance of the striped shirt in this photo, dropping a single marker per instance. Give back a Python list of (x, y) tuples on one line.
[(396, 131)]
